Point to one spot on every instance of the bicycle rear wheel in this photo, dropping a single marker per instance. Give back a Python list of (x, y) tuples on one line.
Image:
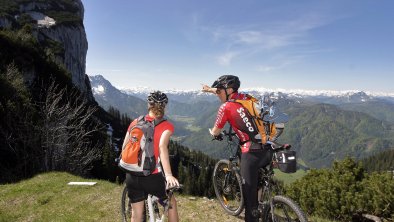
[(228, 188), (125, 207), (284, 209)]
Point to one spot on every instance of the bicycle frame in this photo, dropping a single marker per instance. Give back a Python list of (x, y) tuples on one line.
[(270, 188), (152, 206), (266, 183), (235, 156)]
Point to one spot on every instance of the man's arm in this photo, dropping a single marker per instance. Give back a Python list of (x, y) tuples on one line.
[(215, 131), (221, 119), (206, 88)]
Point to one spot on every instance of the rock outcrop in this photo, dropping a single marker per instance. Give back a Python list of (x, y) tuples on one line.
[(70, 34)]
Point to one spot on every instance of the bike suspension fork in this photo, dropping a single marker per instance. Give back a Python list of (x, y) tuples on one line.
[(227, 178)]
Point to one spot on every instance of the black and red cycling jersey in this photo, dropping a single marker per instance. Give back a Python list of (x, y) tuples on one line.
[(239, 119)]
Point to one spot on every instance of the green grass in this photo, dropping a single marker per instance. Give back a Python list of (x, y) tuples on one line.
[(188, 120), (47, 197)]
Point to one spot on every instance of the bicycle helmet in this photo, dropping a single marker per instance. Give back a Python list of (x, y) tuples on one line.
[(157, 97), (227, 81)]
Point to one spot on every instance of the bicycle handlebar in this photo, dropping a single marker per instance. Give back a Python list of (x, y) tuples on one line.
[(223, 134), (174, 188)]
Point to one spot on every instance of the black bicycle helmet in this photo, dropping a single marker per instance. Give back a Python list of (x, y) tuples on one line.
[(157, 97), (227, 81)]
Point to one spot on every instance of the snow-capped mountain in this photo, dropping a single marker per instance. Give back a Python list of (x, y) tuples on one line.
[(109, 96), (318, 96), (184, 96), (356, 119)]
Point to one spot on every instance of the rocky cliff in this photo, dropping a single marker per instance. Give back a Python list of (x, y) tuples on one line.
[(75, 46), (58, 21)]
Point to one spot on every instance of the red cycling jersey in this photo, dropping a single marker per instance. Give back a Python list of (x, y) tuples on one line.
[(240, 121)]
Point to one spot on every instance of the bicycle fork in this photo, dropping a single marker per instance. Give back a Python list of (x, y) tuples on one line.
[(227, 177), (226, 187)]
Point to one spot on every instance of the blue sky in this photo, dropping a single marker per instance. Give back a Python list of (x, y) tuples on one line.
[(311, 45)]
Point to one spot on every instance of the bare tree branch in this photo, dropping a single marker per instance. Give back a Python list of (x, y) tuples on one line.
[(68, 130)]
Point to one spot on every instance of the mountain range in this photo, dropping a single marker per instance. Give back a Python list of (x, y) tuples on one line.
[(324, 125)]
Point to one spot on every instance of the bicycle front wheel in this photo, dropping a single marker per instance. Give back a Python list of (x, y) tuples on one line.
[(228, 188), (284, 209)]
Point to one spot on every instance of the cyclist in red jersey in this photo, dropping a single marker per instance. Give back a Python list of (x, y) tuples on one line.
[(254, 155), (139, 187)]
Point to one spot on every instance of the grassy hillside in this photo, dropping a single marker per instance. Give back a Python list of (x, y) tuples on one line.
[(47, 197), (320, 133), (323, 133), (378, 109)]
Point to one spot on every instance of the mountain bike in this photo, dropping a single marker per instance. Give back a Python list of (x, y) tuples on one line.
[(153, 212), (273, 206)]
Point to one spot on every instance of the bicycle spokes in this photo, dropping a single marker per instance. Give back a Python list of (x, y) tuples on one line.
[(231, 195), (228, 188)]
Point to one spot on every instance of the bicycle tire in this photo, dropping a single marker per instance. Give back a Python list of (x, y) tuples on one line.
[(285, 209), (125, 207), (230, 197)]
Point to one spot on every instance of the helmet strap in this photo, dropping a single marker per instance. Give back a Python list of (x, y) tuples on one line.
[(227, 94)]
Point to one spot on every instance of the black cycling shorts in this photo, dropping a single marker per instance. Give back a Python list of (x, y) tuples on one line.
[(139, 187)]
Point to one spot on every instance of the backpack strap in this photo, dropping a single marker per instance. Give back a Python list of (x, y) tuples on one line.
[(157, 122), (141, 118), (135, 122)]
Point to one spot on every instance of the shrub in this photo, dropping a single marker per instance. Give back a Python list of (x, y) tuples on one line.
[(343, 191)]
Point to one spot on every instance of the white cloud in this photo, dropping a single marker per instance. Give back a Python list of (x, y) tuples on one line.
[(226, 58), (262, 68), (248, 39)]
